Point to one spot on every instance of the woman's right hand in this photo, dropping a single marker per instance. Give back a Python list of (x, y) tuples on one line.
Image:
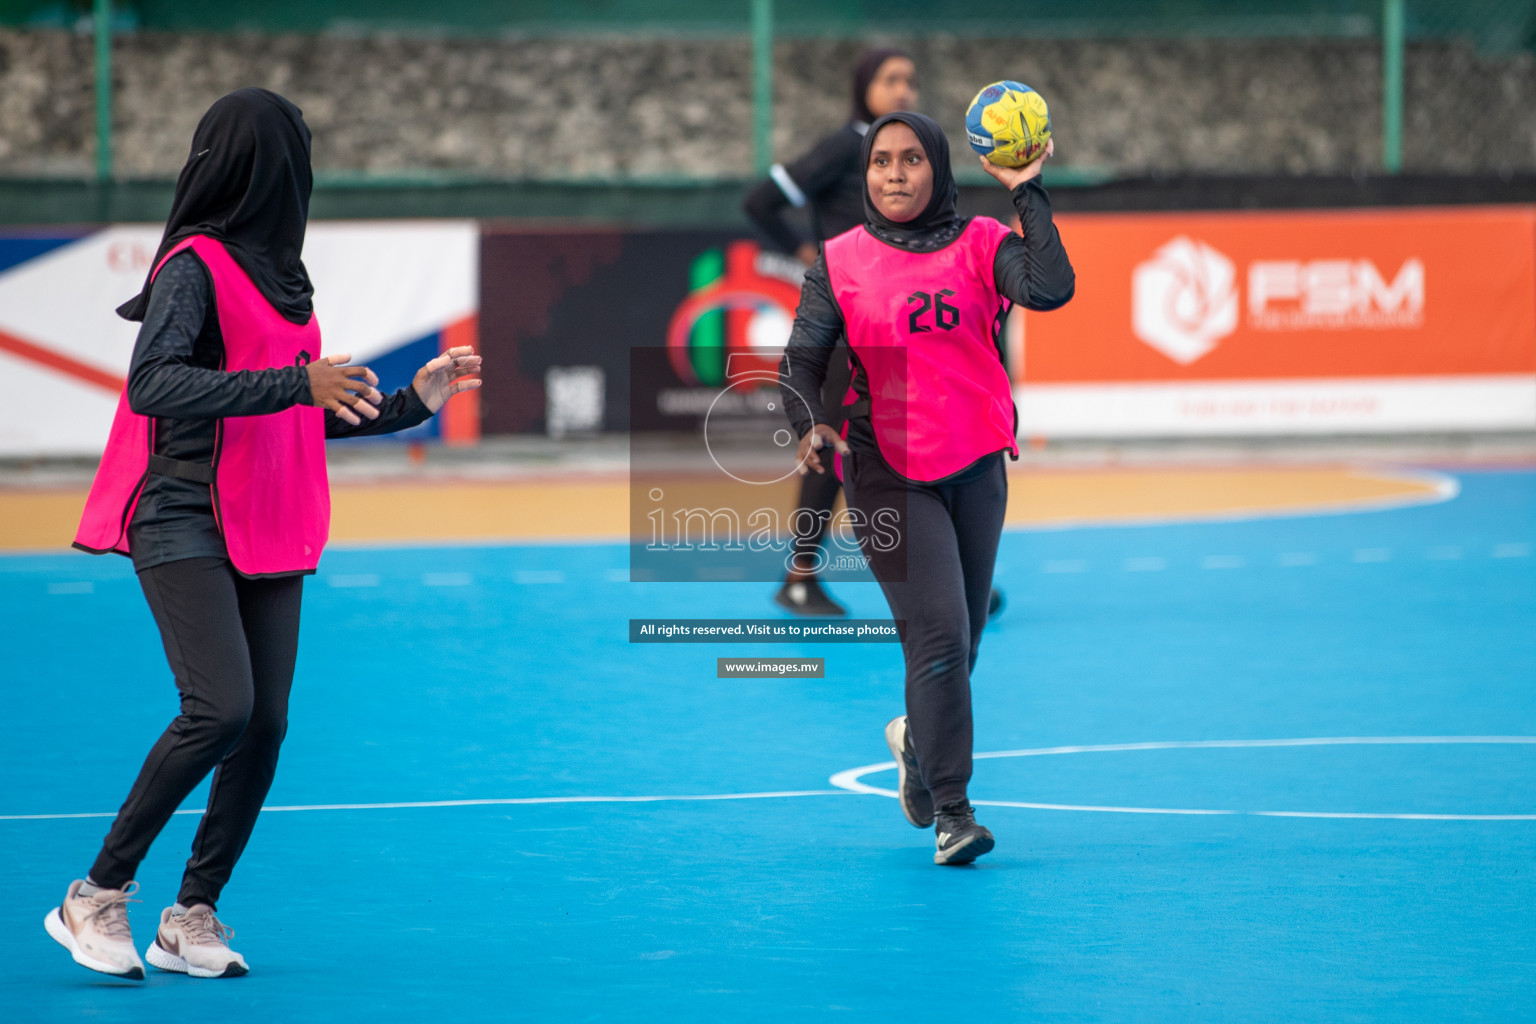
[(1013, 177), (817, 439), (345, 390)]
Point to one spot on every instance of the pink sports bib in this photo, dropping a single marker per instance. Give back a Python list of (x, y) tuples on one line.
[(920, 324), (271, 497)]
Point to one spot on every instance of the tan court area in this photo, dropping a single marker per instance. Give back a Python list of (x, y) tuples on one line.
[(435, 510)]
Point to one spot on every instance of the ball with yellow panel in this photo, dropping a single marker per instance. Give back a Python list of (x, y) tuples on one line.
[(1008, 123)]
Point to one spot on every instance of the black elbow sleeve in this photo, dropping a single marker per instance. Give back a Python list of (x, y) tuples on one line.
[(138, 395), (1062, 294), (759, 202)]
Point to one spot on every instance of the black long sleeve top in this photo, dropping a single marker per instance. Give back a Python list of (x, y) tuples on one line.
[(176, 376), (1032, 271), (827, 180)]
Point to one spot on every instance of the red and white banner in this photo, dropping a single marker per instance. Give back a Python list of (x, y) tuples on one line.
[(1306, 322), (64, 352)]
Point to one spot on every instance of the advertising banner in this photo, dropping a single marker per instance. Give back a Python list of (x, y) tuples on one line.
[(1296, 322), (1183, 324), (562, 311), (392, 293)]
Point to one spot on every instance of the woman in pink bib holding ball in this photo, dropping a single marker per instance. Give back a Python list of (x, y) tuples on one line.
[(918, 293), (214, 483)]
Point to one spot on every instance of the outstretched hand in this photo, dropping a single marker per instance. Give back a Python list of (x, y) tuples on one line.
[(815, 441), (347, 391), (1013, 177), (455, 370)]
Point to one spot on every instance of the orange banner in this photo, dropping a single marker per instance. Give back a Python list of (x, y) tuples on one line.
[(1186, 297)]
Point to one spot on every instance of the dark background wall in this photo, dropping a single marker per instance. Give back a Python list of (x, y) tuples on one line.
[(659, 108)]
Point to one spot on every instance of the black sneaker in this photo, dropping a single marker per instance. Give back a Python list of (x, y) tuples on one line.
[(996, 602), (960, 839), (916, 802), (808, 599)]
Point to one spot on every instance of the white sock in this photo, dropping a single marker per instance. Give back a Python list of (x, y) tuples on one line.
[(178, 910), (88, 888)]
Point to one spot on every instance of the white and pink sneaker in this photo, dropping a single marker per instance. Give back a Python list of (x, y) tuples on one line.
[(195, 943), (95, 930)]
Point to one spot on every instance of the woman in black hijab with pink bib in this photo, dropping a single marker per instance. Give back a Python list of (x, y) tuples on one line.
[(915, 293), (214, 483)]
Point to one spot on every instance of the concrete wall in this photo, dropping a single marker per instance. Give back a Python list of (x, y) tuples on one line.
[(584, 107)]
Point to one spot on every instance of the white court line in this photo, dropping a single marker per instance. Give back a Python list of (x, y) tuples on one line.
[(850, 782), (346, 581), (515, 801), (1150, 564), (1442, 487), (852, 779), (1222, 562)]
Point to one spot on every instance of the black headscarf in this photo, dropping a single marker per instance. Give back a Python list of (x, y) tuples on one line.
[(247, 183), (939, 223), (864, 73)]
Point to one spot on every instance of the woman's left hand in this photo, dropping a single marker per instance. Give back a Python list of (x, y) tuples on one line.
[(455, 370), (1013, 177)]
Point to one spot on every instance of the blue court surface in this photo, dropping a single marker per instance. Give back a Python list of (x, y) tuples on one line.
[(492, 807)]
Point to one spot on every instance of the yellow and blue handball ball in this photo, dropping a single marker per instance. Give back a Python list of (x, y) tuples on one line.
[(1008, 123)]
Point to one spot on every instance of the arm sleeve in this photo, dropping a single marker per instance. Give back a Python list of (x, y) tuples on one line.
[(162, 380), (803, 370), (764, 207), (1034, 270), (826, 164), (400, 411), (798, 184)]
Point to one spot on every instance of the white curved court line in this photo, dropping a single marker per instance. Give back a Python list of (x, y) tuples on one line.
[(850, 782), (852, 779), (1442, 488), (490, 802)]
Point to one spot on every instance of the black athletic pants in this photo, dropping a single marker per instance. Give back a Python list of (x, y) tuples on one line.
[(231, 643), (937, 577), (818, 491)]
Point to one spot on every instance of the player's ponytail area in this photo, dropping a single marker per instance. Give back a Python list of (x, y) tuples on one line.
[(1256, 743)]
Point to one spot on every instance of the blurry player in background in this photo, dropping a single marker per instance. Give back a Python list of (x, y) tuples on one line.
[(829, 184), (827, 181)]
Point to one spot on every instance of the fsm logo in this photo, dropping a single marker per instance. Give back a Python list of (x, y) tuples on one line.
[(1184, 299), (1294, 295)]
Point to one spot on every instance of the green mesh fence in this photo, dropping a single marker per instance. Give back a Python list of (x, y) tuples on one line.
[(1493, 25)]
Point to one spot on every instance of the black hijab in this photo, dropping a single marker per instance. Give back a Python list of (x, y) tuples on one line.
[(247, 183), (864, 73), (939, 223)]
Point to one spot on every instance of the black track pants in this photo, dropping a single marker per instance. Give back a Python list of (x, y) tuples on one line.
[(937, 576), (231, 643)]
